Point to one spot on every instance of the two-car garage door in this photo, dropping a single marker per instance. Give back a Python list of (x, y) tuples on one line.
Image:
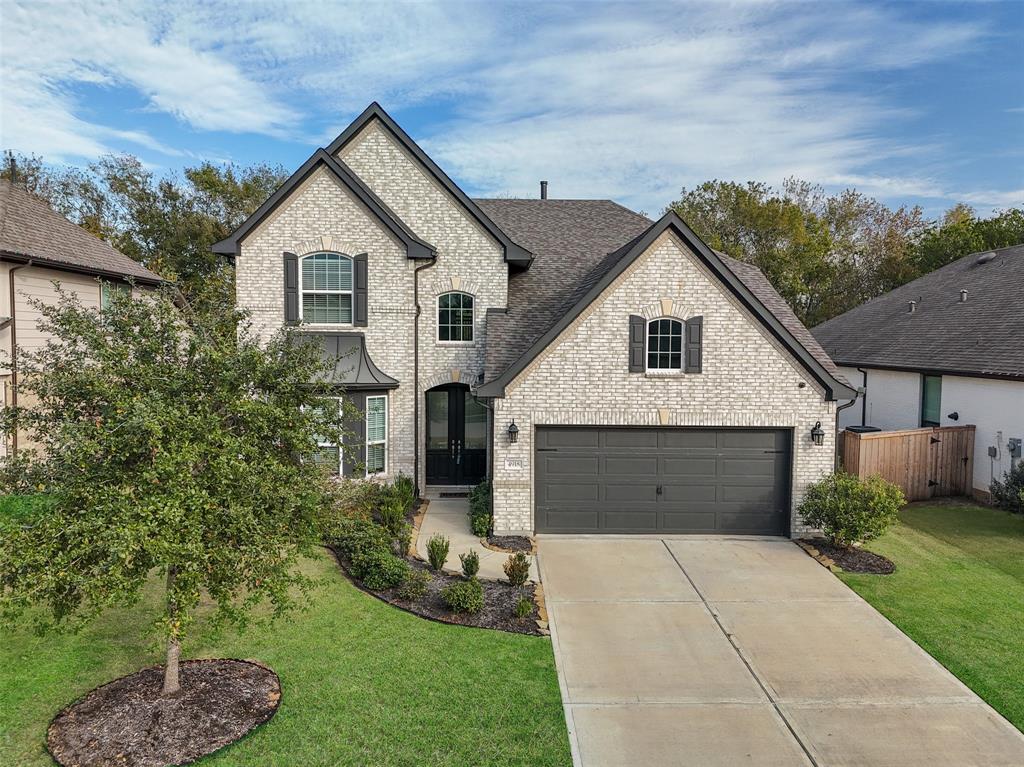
[(651, 480)]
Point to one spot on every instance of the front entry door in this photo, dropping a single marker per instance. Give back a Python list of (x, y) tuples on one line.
[(456, 436)]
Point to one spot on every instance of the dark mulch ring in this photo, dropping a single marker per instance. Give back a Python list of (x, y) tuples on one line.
[(511, 543), (500, 598), (854, 560), (127, 722)]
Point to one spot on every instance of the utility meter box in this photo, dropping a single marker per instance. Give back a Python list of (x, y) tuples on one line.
[(1014, 447)]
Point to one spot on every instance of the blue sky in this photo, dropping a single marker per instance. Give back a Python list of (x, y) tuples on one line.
[(919, 103)]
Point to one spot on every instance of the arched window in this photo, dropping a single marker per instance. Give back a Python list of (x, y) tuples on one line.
[(327, 289), (455, 317), (664, 344)]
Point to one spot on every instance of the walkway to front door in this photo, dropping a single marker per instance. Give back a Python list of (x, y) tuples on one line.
[(720, 651), (456, 436)]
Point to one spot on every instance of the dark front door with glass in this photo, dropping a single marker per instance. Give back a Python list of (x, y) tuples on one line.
[(456, 436)]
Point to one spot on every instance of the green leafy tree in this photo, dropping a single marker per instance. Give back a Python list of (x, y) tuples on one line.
[(961, 233), (164, 444)]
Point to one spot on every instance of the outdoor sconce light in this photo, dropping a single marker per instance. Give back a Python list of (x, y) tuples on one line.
[(818, 434), (513, 433), (954, 416)]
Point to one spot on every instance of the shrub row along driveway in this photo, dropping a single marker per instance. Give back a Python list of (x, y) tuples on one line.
[(721, 652)]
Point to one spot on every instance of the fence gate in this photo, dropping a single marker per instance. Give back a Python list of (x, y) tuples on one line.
[(925, 463)]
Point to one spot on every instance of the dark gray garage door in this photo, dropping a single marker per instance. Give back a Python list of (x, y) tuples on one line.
[(608, 480)]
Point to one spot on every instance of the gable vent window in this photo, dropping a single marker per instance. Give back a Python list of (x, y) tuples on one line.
[(455, 317), (664, 344), (327, 289)]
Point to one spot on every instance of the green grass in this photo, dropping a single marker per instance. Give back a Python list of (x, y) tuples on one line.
[(958, 591), (363, 683)]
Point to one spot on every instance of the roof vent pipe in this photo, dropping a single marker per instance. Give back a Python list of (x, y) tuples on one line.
[(911, 306), (543, 190), (963, 296)]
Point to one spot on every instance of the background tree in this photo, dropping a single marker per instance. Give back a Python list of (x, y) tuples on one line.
[(961, 233), (166, 445)]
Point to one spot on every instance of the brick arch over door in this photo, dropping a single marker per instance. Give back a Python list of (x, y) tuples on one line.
[(453, 375)]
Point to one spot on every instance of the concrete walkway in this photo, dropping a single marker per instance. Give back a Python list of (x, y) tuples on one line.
[(715, 651), (450, 517)]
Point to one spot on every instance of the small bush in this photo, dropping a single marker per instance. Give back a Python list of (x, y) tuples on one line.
[(523, 608), (415, 586), (517, 569), (849, 509), (392, 514), (437, 551), (352, 536), (480, 509), (403, 541), (464, 596), (404, 490), (470, 563), (1009, 494), (380, 569)]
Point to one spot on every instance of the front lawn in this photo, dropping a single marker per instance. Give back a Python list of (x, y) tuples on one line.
[(958, 591), (363, 683)]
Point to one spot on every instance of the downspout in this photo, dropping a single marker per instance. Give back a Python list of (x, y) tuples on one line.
[(490, 457), (416, 371), (851, 403), (864, 401), (14, 351)]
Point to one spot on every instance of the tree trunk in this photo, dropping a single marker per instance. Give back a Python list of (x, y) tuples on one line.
[(171, 684)]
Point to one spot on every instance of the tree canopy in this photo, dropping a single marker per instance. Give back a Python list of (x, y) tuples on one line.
[(162, 441)]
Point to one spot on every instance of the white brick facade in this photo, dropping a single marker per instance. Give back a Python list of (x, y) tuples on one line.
[(583, 378)]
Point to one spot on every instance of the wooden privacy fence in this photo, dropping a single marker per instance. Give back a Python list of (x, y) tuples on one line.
[(925, 463)]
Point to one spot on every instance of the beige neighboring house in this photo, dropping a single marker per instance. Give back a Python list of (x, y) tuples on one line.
[(38, 248)]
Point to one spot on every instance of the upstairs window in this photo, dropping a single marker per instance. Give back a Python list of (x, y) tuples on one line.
[(327, 289), (455, 317), (664, 344)]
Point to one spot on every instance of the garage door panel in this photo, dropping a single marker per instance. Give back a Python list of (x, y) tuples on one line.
[(591, 479)]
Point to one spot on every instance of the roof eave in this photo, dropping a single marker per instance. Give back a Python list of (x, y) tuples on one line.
[(61, 266)]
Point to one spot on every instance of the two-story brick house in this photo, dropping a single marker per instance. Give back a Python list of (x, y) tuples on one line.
[(610, 373)]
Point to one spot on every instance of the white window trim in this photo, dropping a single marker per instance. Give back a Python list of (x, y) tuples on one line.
[(341, 450), (682, 348), (350, 293), (437, 320), (384, 442)]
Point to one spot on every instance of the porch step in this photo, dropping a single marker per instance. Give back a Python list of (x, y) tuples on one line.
[(446, 491)]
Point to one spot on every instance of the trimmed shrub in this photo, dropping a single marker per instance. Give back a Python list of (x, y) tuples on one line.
[(470, 563), (437, 551), (392, 514), (380, 569), (403, 541), (404, 490), (517, 569), (1009, 494), (523, 608), (480, 509), (415, 585), (849, 509), (464, 596), (352, 536)]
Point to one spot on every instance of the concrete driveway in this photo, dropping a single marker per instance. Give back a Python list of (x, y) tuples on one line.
[(727, 651)]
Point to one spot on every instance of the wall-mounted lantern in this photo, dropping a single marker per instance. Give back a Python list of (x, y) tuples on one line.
[(954, 416), (513, 433), (818, 434)]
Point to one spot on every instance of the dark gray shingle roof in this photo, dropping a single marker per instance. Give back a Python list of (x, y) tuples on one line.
[(575, 244), (981, 336), (31, 228)]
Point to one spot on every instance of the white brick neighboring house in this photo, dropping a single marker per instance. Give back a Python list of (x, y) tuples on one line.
[(657, 386)]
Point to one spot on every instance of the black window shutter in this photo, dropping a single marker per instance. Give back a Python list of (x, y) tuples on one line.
[(354, 452), (359, 317), (694, 340), (291, 288), (637, 339)]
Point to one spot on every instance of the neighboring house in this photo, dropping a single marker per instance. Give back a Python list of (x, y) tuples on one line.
[(612, 374), (943, 350), (39, 247)]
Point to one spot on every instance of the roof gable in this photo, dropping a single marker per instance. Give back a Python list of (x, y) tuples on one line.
[(514, 254), (415, 246), (774, 315)]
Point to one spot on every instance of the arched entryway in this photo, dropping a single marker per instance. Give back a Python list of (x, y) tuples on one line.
[(456, 436)]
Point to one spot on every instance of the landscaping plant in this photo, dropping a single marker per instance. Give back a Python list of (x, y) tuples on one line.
[(437, 551), (480, 509), (848, 509), (523, 608), (517, 568), (470, 563), (380, 569), (1009, 494), (165, 437), (464, 596), (392, 514), (404, 489), (415, 586)]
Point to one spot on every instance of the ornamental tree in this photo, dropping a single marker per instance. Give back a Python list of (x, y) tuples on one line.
[(159, 438)]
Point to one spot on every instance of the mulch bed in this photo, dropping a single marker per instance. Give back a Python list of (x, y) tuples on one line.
[(854, 560), (127, 722), (500, 598), (510, 543)]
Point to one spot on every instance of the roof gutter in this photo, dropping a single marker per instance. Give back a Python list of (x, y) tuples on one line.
[(14, 351), (60, 266)]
